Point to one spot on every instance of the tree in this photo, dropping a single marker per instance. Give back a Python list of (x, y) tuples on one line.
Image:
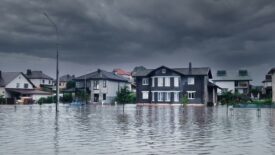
[(70, 84), (124, 96), (185, 100)]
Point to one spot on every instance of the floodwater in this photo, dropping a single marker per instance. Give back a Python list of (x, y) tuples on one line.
[(32, 130)]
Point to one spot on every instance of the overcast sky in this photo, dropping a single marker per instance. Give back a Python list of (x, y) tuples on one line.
[(107, 34)]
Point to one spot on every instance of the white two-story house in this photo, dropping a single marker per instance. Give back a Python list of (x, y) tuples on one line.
[(101, 85), (39, 79), (16, 85), (234, 81)]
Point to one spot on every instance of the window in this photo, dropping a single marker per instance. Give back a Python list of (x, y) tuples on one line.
[(153, 96), (176, 81), (163, 71), (176, 96), (104, 84), (104, 97), (145, 81), (167, 81), (168, 98), (17, 85), (160, 81), (164, 96), (49, 81), (191, 81), (191, 94), (153, 82), (159, 96), (43, 81), (96, 84), (145, 95), (26, 86)]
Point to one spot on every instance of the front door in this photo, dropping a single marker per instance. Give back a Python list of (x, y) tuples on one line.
[(96, 97)]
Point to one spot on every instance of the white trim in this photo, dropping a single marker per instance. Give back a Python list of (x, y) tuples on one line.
[(176, 84), (191, 80), (167, 82), (153, 96), (191, 92), (171, 91), (145, 81), (153, 82), (176, 96), (143, 95)]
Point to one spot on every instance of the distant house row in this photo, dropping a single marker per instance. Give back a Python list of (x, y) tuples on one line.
[(160, 85)]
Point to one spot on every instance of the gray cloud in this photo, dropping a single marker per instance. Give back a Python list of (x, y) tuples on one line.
[(216, 33)]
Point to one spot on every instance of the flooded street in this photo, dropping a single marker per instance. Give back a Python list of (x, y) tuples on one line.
[(32, 130)]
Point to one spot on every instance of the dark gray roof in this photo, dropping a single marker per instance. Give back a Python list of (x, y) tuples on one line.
[(184, 71), (7, 77), (66, 78), (102, 75), (37, 75), (232, 76)]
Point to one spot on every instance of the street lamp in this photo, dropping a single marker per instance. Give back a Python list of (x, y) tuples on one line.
[(57, 59)]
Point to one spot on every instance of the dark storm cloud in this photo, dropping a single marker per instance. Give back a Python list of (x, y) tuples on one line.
[(111, 31)]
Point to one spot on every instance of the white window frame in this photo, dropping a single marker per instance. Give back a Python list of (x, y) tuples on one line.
[(176, 81), (145, 95), (191, 95), (145, 81), (191, 80), (153, 96), (176, 96), (167, 82), (168, 97), (153, 82), (160, 81), (96, 84), (159, 96)]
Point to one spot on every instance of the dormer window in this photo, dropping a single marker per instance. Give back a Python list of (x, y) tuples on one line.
[(243, 73), (221, 73), (163, 71)]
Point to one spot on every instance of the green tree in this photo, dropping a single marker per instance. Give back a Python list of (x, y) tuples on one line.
[(70, 84), (124, 96), (184, 100)]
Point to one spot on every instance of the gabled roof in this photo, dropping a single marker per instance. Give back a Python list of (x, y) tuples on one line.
[(271, 71), (183, 71), (7, 77), (102, 75), (232, 76), (37, 75)]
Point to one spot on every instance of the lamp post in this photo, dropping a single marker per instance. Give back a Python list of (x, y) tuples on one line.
[(57, 59)]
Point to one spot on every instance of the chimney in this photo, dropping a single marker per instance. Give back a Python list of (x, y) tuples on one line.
[(29, 72), (99, 72), (190, 68)]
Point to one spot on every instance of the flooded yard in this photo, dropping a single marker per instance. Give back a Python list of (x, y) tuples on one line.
[(32, 130)]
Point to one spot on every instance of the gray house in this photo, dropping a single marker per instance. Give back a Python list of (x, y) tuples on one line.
[(169, 85), (101, 85)]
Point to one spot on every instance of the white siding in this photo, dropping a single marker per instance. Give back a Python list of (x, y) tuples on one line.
[(21, 80), (111, 90), (38, 82), (229, 85)]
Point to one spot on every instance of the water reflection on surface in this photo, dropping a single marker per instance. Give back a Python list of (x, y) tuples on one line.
[(138, 130)]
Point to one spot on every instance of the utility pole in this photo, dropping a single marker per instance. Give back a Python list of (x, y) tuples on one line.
[(57, 59)]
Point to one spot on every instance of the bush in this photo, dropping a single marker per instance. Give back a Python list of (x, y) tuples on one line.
[(233, 98), (67, 98), (184, 100), (2, 100), (47, 100)]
